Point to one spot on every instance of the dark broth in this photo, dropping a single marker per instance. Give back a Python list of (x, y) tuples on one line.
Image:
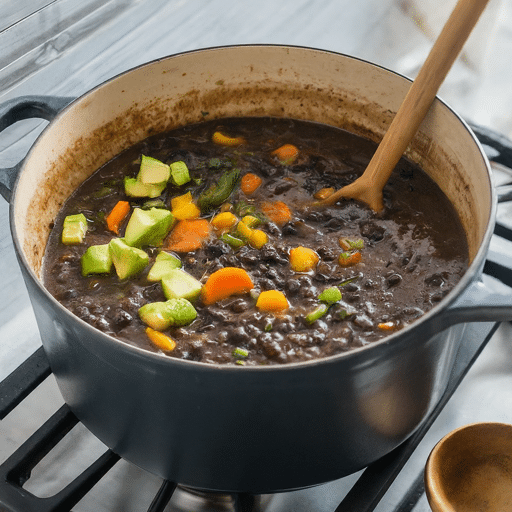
[(414, 252)]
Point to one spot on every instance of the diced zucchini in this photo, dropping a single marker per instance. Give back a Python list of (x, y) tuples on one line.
[(156, 315), (178, 284), (135, 188), (231, 240), (153, 171), (164, 262), (179, 173), (148, 227), (172, 313), (74, 229), (128, 261), (96, 260), (317, 313), (330, 295)]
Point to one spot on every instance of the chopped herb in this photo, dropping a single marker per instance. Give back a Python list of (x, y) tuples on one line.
[(243, 208), (317, 313), (240, 352), (218, 193), (215, 163), (232, 241), (349, 280), (330, 295), (347, 244), (268, 327)]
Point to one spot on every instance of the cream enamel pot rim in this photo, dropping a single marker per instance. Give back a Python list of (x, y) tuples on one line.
[(258, 429)]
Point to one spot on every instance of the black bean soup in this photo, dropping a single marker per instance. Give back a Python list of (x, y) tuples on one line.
[(254, 275)]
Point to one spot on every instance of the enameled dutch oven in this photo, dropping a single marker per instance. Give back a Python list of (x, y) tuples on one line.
[(230, 428)]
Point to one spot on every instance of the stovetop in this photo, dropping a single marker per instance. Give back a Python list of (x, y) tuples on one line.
[(65, 47)]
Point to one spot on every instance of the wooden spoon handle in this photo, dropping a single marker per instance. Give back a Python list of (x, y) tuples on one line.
[(415, 105)]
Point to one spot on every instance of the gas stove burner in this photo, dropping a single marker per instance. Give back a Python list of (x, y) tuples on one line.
[(187, 499)]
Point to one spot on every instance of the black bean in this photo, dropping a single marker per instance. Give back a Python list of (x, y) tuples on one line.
[(239, 305), (238, 336), (321, 278), (248, 258), (327, 253), (292, 286), (121, 319), (393, 280), (352, 297), (272, 273), (266, 284), (412, 312), (272, 228), (289, 229), (334, 224), (298, 338), (372, 231), (222, 337), (269, 254), (216, 250), (362, 321), (153, 293), (370, 284), (283, 186), (435, 280)]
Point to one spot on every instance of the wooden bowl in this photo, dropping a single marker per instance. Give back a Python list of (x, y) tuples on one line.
[(470, 470)]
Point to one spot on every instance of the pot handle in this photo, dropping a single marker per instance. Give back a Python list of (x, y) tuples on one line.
[(478, 303), (18, 109)]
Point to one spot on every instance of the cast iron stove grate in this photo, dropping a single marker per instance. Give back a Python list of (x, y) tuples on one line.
[(365, 494)]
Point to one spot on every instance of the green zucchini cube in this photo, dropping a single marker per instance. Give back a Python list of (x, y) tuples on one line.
[(128, 261), (179, 173), (74, 229), (164, 263), (148, 227), (153, 171), (178, 284), (135, 188), (96, 260)]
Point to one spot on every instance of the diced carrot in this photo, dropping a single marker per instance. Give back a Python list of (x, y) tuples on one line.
[(387, 326), (244, 230), (286, 154), (258, 238), (250, 183), (226, 282), (349, 259), (117, 215), (180, 201), (224, 220), (324, 193), (225, 140), (272, 301), (303, 259), (183, 208), (161, 340), (188, 235), (187, 212), (277, 212)]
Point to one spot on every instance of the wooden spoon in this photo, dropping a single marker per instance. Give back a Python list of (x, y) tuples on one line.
[(368, 187)]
